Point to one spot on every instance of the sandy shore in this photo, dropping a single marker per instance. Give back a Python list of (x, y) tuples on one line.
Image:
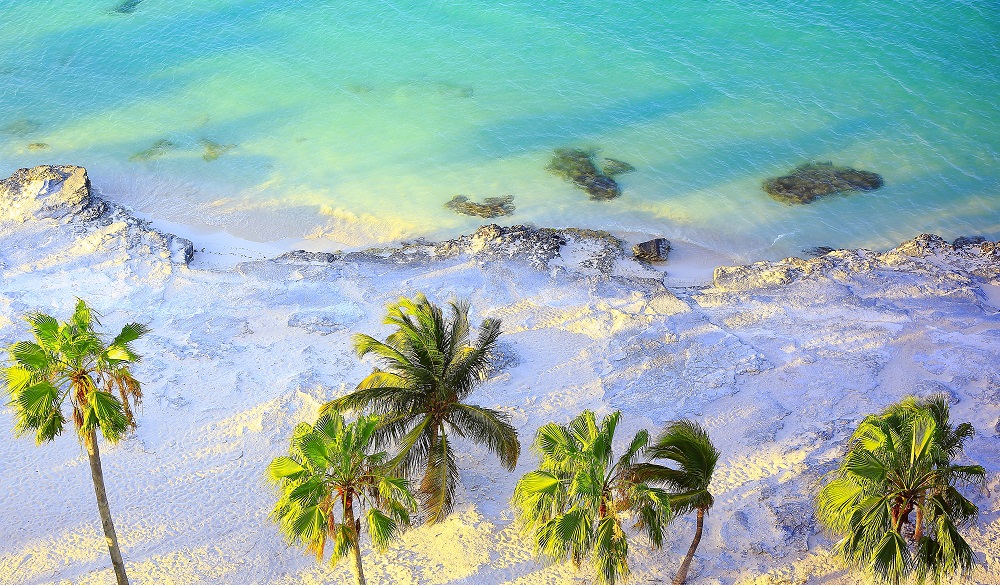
[(779, 360)]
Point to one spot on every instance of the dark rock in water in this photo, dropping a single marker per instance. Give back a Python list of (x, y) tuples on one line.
[(613, 166), (128, 6), (38, 146), (577, 166), (812, 180), (490, 207), (20, 128), (652, 251), (966, 241), (818, 251), (214, 150), (600, 187), (158, 149), (570, 163)]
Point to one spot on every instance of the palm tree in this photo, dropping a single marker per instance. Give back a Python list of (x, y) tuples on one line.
[(427, 368), (897, 463), (687, 444), (71, 361), (576, 502), (330, 479)]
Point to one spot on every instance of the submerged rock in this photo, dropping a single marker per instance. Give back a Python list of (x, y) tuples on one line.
[(20, 128), (214, 150), (158, 149), (813, 180), (127, 7), (490, 207), (654, 250), (613, 166), (34, 146), (577, 166)]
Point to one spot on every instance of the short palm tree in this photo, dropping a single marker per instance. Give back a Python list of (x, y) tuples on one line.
[(686, 444), (426, 370), (71, 362), (898, 463), (578, 501), (330, 479)]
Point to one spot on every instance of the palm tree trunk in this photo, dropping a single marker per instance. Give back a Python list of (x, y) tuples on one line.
[(97, 475), (682, 573), (352, 525), (918, 524)]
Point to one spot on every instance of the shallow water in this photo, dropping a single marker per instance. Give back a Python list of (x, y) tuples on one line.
[(354, 122)]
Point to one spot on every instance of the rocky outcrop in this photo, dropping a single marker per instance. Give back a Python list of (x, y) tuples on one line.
[(655, 250), (55, 192), (810, 181), (972, 258), (63, 193), (489, 208), (580, 249), (577, 166)]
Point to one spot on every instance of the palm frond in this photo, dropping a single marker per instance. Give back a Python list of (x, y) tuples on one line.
[(440, 480), (490, 428), (687, 444)]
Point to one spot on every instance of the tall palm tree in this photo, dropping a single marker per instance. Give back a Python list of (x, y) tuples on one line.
[(576, 503), (686, 444), (897, 463), (70, 361), (328, 480), (426, 370)]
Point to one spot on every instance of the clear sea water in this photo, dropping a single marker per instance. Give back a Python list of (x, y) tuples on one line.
[(354, 121)]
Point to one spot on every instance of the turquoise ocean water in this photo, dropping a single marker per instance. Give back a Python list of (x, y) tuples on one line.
[(354, 121)]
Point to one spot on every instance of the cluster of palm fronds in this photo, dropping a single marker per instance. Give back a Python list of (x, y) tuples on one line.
[(895, 497), (894, 500)]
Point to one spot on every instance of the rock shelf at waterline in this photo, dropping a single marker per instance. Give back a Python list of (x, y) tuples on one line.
[(779, 361)]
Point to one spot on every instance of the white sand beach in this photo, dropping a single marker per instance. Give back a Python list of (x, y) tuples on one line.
[(779, 360)]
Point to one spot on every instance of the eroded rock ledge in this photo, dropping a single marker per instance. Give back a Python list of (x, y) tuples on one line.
[(539, 247), (63, 193), (964, 260)]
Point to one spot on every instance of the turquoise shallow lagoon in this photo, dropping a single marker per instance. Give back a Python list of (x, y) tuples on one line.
[(354, 122)]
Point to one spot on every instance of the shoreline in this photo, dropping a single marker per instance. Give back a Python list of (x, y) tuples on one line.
[(687, 264), (777, 359)]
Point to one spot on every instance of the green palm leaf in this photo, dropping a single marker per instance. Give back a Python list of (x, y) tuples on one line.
[(897, 471), (424, 371), (71, 362), (332, 473), (575, 501)]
